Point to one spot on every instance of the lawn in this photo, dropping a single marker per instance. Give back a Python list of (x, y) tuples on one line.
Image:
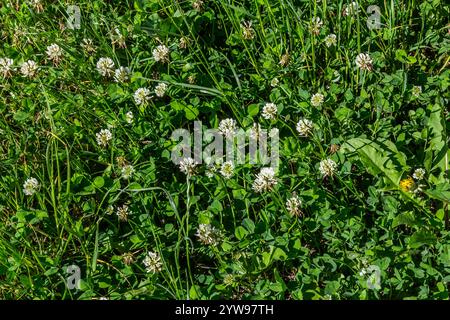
[(224, 149)]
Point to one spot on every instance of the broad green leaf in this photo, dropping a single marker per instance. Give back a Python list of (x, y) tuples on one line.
[(99, 182), (240, 232), (279, 254), (191, 112), (437, 154), (421, 238), (253, 110), (442, 192), (378, 158), (406, 218)]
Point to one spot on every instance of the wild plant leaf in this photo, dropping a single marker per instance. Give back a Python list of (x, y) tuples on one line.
[(421, 238), (437, 153), (378, 158), (441, 192), (404, 218)]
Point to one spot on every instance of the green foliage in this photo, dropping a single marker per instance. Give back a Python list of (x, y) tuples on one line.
[(139, 228)]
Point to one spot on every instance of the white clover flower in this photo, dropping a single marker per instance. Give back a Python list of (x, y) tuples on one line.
[(37, 5), (293, 205), (187, 166), (330, 40), (208, 234), (211, 168), (351, 9), (118, 38), (128, 258), (105, 66), (141, 96), (161, 53), (192, 78), (285, 59), (229, 280), (88, 46), (255, 131), (416, 91), (317, 99), (227, 169), (54, 53), (265, 180), (197, 5), (152, 262), (103, 137), (127, 171), (269, 111), (227, 127), (184, 42), (122, 74), (274, 82), (129, 117), (31, 186), (161, 89), (6, 67), (364, 61), (419, 174), (29, 68), (316, 24), (123, 212), (304, 127), (327, 167), (110, 210), (248, 33)]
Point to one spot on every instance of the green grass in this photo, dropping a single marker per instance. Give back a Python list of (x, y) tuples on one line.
[(359, 217)]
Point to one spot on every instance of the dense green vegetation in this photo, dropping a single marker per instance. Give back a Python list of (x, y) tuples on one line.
[(356, 209)]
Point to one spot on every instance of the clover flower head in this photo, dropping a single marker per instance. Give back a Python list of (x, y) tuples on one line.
[(316, 25), (88, 46), (419, 174), (327, 167), (54, 53), (122, 74), (29, 68), (188, 166), (248, 33), (105, 66), (207, 234), (416, 91), (227, 127), (161, 53), (141, 96), (265, 180), (103, 137), (227, 169), (6, 67), (129, 117), (317, 99), (293, 205), (123, 212), (269, 111), (160, 89), (364, 62), (330, 40), (31, 186), (152, 262), (127, 171), (304, 127)]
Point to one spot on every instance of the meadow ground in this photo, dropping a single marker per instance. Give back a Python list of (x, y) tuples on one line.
[(350, 99)]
